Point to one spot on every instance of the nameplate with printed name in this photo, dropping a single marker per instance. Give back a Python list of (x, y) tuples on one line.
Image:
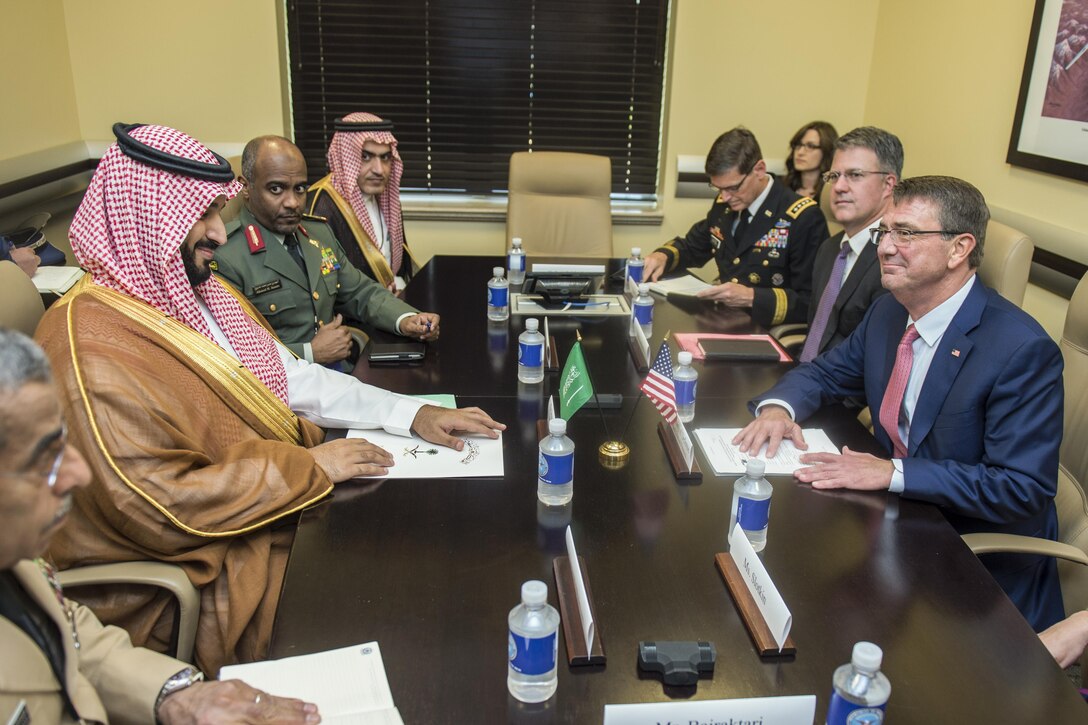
[(786, 710), (765, 613)]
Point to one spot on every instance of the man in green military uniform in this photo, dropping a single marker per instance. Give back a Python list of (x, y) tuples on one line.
[(293, 269), (763, 236)]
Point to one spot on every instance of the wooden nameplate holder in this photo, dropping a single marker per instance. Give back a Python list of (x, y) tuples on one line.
[(572, 618), (749, 611), (551, 357), (640, 361), (676, 456)]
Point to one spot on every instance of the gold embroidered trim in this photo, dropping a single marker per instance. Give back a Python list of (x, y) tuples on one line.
[(781, 305), (167, 328), (799, 206), (372, 253)]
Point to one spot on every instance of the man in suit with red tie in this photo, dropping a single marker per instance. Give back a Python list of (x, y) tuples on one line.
[(867, 165), (968, 388)]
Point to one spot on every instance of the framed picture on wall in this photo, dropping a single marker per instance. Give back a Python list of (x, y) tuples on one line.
[(1050, 131)]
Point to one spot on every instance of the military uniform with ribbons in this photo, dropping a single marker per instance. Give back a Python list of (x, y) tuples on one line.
[(254, 261), (772, 253)]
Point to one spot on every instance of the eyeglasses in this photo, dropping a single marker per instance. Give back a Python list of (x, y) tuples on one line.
[(809, 146), (852, 176), (54, 470), (731, 189), (903, 237)]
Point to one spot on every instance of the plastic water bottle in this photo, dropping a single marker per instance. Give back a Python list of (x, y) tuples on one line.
[(533, 645), (531, 353), (684, 378), (635, 265), (555, 470), (515, 262), (644, 310), (752, 503), (498, 297), (861, 690)]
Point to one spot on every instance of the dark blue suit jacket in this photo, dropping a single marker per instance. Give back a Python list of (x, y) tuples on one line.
[(984, 438)]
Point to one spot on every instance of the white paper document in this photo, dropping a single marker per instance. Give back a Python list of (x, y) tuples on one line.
[(726, 458), (580, 591), (770, 602), (685, 286), (348, 685), (57, 280), (786, 710), (416, 458)]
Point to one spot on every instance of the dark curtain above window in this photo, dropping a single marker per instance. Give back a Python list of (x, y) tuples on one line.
[(468, 82)]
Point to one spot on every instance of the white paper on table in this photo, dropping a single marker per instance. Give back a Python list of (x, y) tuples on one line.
[(786, 710), (546, 268), (580, 591), (346, 684), (726, 458), (687, 446), (771, 604), (57, 280), (685, 286), (416, 458)]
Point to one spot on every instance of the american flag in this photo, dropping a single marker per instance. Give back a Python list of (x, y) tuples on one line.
[(658, 385)]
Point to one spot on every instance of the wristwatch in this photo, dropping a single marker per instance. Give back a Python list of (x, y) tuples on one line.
[(186, 678)]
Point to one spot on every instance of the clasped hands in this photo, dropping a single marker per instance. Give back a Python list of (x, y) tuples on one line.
[(850, 469), (349, 458)]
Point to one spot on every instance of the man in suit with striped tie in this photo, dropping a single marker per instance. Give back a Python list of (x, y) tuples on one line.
[(968, 388)]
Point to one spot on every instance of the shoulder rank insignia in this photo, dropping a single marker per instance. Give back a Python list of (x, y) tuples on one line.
[(316, 218), (254, 239), (799, 206)]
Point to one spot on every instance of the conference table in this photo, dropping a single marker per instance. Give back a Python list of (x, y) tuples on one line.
[(430, 568)]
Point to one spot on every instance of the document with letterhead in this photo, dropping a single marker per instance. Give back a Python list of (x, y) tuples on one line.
[(348, 685), (725, 457)]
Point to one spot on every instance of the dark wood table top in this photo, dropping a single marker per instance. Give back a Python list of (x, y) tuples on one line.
[(431, 568)]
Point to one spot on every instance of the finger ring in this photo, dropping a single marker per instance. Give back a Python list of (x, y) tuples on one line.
[(258, 700)]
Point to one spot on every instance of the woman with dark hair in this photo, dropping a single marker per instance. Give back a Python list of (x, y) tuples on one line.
[(811, 149)]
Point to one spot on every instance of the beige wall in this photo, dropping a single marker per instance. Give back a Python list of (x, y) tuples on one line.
[(945, 77), (36, 77), (210, 68)]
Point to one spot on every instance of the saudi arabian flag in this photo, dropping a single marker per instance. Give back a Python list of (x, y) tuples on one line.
[(574, 386)]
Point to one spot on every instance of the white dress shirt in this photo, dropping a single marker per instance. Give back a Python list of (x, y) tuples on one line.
[(331, 399)]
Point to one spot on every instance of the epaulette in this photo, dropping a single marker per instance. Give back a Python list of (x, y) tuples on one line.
[(316, 218), (254, 238), (799, 206)]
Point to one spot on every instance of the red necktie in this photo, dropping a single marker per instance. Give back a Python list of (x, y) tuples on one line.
[(897, 386)]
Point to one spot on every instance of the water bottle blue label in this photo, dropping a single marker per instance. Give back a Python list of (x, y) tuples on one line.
[(533, 655), (496, 296), (530, 355), (644, 314), (556, 470), (515, 262), (634, 271), (685, 392), (844, 712), (752, 515)]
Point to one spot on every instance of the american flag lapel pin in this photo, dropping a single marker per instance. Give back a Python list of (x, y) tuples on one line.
[(955, 352)]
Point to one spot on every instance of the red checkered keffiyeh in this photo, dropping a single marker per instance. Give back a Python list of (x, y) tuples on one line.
[(128, 232), (345, 160)]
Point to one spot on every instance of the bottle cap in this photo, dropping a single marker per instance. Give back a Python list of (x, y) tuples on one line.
[(532, 324), (534, 591), (755, 468), (557, 427), (635, 251), (643, 288), (867, 657), (497, 271), (684, 358), (516, 241)]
